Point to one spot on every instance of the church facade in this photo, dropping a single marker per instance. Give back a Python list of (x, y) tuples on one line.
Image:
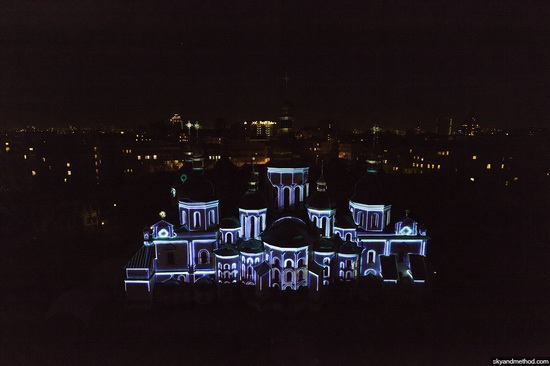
[(298, 240)]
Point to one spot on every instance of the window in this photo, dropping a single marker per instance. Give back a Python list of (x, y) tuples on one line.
[(348, 263), (197, 218), (371, 256), (289, 276), (326, 261), (300, 275), (301, 263), (326, 271), (276, 275), (252, 227), (276, 262), (229, 238), (289, 263), (212, 216), (375, 218), (204, 256)]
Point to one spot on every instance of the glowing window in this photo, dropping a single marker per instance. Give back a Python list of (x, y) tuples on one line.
[(197, 218), (502, 166), (474, 157), (204, 256), (371, 256), (488, 166)]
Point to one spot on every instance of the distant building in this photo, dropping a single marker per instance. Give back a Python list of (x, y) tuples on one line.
[(298, 240), (261, 129), (444, 126)]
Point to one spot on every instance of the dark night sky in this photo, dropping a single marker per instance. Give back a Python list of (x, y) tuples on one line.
[(87, 62)]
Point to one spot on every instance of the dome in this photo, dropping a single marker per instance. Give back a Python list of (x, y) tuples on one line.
[(253, 200), (349, 247), (252, 246), (288, 232), (320, 201), (345, 222), (326, 245), (226, 251), (229, 223), (368, 190), (194, 186)]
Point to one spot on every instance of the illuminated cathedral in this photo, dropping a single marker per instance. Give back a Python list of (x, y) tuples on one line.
[(294, 240)]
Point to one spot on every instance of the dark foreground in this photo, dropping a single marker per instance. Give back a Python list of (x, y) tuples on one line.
[(63, 302)]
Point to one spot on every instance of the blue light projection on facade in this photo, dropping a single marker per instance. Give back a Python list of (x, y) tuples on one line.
[(304, 243)]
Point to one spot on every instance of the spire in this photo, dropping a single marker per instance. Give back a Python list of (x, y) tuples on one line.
[(321, 183)]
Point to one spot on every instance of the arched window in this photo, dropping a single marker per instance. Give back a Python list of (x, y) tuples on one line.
[(289, 276), (324, 221), (262, 222), (226, 266), (249, 273), (341, 264), (297, 195), (170, 258), (276, 262), (276, 275), (301, 275), (326, 261), (301, 263), (348, 237), (286, 197), (204, 256), (348, 263), (374, 219), (233, 266), (197, 219), (371, 256), (212, 216), (252, 226), (348, 275), (360, 218), (326, 271), (219, 265), (183, 217), (289, 263), (229, 237), (249, 261)]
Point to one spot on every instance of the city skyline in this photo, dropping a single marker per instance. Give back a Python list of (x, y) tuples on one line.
[(92, 63)]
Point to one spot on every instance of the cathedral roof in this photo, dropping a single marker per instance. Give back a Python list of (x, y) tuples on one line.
[(368, 189), (325, 245), (226, 251), (252, 246), (320, 201), (288, 232), (349, 247), (253, 200), (229, 223), (193, 186), (344, 221)]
